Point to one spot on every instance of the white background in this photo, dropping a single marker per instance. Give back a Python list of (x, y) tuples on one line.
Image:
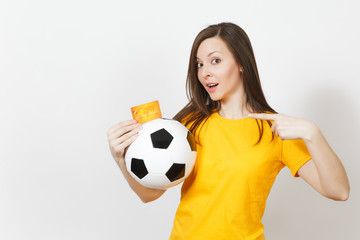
[(70, 70)]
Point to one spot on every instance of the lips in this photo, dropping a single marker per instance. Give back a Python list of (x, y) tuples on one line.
[(210, 84), (211, 87)]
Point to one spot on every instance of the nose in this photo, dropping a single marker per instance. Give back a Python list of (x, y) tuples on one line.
[(205, 72)]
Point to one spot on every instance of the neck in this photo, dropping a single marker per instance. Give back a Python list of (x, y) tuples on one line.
[(235, 107), (234, 112)]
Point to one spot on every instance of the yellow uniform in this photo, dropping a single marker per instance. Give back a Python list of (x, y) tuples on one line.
[(224, 197)]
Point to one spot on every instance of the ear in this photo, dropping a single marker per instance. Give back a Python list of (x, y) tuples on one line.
[(241, 69)]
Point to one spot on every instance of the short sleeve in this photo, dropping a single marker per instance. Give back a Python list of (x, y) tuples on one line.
[(294, 155)]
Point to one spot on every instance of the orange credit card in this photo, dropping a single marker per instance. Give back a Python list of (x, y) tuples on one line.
[(146, 112)]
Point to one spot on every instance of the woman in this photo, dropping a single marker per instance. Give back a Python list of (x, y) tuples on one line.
[(242, 144)]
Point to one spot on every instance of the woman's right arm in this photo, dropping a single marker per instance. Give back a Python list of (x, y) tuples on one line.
[(120, 137)]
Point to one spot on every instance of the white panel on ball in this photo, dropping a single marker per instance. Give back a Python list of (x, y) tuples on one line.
[(163, 155)]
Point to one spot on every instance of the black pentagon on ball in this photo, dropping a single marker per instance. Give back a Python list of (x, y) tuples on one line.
[(138, 167), (176, 171), (191, 141), (161, 139)]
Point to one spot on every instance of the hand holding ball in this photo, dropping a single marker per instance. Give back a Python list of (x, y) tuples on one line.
[(163, 155)]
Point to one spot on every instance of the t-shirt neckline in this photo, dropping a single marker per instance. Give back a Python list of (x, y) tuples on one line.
[(229, 120)]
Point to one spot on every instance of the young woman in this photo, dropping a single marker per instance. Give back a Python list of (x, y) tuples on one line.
[(242, 144)]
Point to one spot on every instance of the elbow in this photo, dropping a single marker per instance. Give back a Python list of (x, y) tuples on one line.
[(345, 196), (152, 197), (340, 197), (147, 200)]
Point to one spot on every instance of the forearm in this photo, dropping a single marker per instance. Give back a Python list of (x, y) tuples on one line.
[(333, 178), (145, 194)]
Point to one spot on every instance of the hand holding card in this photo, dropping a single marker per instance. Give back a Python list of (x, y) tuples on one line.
[(146, 112)]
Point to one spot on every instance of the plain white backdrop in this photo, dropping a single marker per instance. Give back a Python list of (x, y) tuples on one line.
[(71, 69)]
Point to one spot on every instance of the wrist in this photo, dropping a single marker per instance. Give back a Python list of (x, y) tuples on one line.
[(312, 133), (121, 163)]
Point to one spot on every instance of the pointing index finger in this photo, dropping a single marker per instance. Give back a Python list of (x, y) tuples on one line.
[(263, 116)]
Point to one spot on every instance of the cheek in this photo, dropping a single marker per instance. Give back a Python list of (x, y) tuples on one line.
[(198, 77), (231, 75), (200, 81)]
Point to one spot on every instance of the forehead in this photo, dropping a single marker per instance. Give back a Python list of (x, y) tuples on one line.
[(210, 45)]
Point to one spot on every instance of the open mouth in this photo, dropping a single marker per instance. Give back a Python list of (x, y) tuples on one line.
[(213, 85)]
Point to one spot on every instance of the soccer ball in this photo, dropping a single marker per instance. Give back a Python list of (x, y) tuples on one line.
[(163, 155)]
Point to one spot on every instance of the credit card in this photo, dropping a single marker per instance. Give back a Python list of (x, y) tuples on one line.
[(146, 112)]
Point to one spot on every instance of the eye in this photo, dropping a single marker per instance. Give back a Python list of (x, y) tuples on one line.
[(198, 64), (216, 59)]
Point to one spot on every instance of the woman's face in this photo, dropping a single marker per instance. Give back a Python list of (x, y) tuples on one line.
[(216, 64)]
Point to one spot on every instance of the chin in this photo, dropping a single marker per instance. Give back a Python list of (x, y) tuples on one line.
[(214, 98)]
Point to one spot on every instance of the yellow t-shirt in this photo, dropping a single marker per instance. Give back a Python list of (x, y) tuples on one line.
[(224, 196)]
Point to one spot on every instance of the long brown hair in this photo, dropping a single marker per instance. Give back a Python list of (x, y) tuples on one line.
[(200, 105)]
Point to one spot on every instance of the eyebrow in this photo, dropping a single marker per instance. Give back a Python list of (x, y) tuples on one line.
[(210, 54)]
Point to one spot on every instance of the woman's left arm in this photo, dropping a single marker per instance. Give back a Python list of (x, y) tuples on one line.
[(324, 172)]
